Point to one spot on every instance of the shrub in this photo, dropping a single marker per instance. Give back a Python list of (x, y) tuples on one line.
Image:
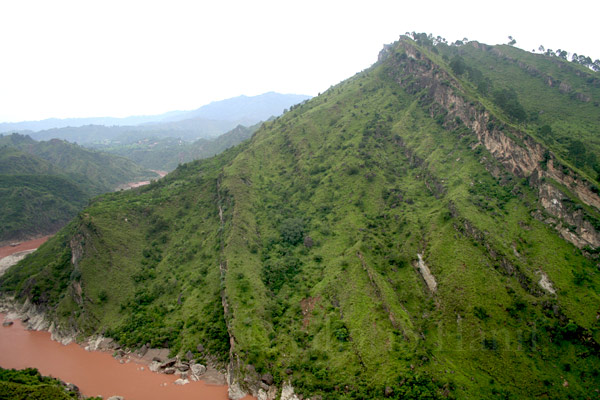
[(490, 344), (507, 100), (480, 313), (292, 230)]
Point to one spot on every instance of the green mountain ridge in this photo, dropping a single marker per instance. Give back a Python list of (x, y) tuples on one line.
[(425, 229), (44, 184)]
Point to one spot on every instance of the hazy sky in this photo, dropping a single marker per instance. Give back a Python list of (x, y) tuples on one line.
[(116, 58)]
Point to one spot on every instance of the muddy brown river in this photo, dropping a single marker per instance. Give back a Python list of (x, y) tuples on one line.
[(95, 372)]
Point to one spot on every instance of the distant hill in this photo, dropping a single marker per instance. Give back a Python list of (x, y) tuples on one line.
[(208, 121), (44, 184), (249, 109), (52, 123), (166, 154), (189, 130)]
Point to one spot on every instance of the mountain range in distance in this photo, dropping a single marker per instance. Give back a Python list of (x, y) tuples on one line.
[(207, 121)]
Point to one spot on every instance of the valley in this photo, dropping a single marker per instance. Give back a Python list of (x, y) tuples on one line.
[(428, 228)]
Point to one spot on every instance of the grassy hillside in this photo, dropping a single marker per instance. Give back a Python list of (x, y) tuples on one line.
[(406, 234)]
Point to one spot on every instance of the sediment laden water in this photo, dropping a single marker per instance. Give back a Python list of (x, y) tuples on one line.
[(94, 372)]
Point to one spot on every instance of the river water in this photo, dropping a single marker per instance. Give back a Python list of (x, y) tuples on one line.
[(95, 372)]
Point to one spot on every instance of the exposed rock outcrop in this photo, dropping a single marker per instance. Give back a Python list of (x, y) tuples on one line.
[(517, 152), (426, 274), (545, 282), (287, 392), (197, 371)]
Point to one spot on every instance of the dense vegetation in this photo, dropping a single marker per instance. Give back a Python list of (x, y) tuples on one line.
[(28, 384), (299, 252), (44, 184)]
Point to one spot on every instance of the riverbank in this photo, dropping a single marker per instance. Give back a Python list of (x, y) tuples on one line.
[(98, 366), (131, 185), (13, 253), (97, 372)]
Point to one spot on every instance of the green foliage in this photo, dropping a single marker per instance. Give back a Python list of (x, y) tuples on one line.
[(507, 100), (44, 184), (28, 384), (480, 313), (340, 331), (292, 230), (416, 386), (279, 271), (581, 156), (458, 65)]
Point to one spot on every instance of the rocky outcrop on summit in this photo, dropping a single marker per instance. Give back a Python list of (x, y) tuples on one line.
[(519, 153)]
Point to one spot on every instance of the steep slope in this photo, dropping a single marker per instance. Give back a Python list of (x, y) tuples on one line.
[(403, 235), (44, 184)]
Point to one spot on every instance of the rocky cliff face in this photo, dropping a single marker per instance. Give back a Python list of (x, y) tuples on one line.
[(519, 154)]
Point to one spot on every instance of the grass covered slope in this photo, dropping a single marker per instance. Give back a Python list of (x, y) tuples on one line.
[(374, 242), (373, 181)]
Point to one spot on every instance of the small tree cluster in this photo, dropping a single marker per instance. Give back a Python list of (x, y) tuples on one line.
[(586, 61)]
